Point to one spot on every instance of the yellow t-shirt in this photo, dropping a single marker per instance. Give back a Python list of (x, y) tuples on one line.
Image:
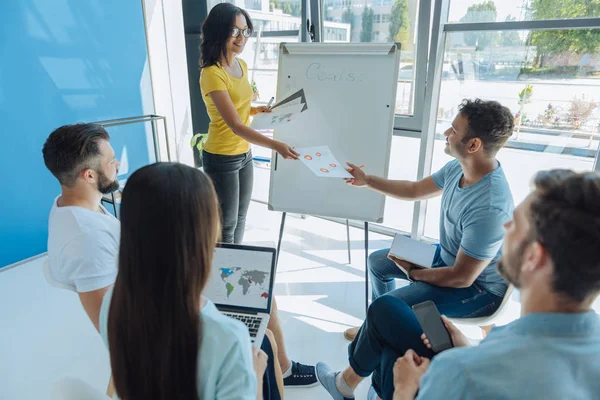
[(221, 139)]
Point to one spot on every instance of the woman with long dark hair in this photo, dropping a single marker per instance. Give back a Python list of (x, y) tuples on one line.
[(166, 340), (227, 158), (227, 93)]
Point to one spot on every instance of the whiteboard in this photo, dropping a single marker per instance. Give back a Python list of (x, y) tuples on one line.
[(350, 92)]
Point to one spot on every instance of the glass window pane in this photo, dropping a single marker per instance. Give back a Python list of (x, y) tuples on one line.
[(521, 10), (271, 15), (379, 21), (404, 159), (263, 63), (551, 87)]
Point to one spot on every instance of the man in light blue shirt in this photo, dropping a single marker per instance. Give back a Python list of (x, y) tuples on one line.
[(476, 202), (553, 350)]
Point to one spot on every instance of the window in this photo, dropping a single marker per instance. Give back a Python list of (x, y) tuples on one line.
[(548, 80), (252, 5), (521, 10), (352, 20), (381, 3), (275, 15), (403, 166)]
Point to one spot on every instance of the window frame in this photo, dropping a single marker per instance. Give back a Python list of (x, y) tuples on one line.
[(440, 28)]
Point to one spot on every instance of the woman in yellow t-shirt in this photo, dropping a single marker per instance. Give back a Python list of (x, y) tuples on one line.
[(227, 93)]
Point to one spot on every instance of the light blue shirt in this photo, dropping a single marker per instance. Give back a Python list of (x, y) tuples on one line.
[(225, 367), (539, 356), (472, 219)]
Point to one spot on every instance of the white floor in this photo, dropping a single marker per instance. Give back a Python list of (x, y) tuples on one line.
[(45, 335)]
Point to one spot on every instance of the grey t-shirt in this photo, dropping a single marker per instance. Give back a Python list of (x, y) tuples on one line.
[(472, 219)]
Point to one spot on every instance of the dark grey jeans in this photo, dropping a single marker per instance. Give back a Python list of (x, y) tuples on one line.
[(233, 177)]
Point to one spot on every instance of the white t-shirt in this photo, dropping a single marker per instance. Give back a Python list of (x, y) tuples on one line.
[(83, 247)]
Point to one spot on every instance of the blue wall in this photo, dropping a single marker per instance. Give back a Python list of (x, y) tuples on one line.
[(62, 61)]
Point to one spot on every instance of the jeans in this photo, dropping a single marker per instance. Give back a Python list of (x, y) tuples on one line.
[(270, 389), (391, 327), (470, 302), (233, 178)]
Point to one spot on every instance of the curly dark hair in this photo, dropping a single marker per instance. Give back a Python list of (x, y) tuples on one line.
[(488, 120), (71, 149), (565, 218), (216, 31)]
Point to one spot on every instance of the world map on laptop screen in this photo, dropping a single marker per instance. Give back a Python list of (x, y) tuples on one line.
[(240, 278)]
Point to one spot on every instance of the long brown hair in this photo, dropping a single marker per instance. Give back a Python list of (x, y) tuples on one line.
[(169, 228), (216, 31)]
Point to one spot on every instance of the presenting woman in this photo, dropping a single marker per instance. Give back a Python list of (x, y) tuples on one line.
[(227, 93)]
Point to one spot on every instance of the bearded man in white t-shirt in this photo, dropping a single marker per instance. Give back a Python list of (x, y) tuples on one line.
[(83, 237)]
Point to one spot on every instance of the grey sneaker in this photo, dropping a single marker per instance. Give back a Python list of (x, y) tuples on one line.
[(326, 377), (372, 395)]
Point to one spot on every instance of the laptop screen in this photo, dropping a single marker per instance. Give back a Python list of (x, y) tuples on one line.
[(242, 277)]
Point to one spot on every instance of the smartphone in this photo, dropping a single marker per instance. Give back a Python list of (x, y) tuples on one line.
[(431, 321)]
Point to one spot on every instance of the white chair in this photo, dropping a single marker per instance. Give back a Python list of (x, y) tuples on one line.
[(53, 282), (76, 389), (486, 323)]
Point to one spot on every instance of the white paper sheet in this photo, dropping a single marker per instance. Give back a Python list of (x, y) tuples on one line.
[(414, 251), (276, 118), (321, 161)]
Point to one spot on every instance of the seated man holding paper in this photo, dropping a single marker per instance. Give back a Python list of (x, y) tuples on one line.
[(476, 202), (462, 280)]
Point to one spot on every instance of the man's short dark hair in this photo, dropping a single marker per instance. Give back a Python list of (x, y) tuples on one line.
[(71, 149), (488, 120), (565, 217)]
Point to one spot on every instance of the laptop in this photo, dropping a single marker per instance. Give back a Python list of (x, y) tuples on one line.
[(241, 285)]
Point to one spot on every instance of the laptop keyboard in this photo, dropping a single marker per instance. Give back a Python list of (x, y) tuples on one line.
[(252, 322)]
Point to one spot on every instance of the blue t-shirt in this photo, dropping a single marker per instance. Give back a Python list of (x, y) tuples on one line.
[(225, 366), (472, 219)]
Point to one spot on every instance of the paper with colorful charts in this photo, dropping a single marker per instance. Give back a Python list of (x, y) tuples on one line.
[(277, 118), (321, 161)]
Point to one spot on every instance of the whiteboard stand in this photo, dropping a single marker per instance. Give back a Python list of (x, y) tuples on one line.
[(336, 80), (282, 226), (303, 216), (366, 268)]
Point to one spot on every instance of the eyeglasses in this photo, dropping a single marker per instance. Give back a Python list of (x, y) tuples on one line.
[(235, 32)]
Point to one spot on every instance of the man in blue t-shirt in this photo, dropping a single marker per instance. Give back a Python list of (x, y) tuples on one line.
[(476, 203)]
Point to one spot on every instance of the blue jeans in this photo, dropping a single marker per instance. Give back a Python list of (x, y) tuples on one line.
[(233, 178), (470, 302), (270, 389), (391, 327)]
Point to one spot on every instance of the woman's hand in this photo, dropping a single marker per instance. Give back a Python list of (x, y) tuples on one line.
[(259, 109), (260, 359), (285, 151), (458, 338)]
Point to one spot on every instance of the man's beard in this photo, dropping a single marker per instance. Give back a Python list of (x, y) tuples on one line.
[(105, 185), (510, 266)]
